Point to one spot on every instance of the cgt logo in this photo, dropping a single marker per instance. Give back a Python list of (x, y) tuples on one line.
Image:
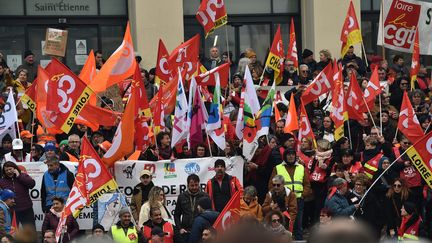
[(169, 169), (192, 168), (129, 171)]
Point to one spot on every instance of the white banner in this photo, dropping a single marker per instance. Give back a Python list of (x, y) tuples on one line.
[(171, 176), (36, 171), (398, 25)]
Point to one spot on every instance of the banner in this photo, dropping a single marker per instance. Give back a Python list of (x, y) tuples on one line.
[(401, 18), (36, 171), (420, 154), (171, 176)]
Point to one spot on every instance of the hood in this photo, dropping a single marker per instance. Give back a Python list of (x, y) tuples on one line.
[(210, 215)]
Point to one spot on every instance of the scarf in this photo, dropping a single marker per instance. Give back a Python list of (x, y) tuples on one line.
[(260, 159), (58, 215), (322, 156), (280, 230)]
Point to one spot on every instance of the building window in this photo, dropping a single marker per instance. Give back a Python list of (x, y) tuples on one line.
[(17, 8)]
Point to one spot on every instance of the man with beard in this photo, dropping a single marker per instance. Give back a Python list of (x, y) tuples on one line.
[(156, 220), (290, 76), (222, 186), (141, 192), (124, 230), (186, 207)]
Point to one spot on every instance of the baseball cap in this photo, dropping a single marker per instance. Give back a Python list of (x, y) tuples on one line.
[(145, 172), (17, 144), (26, 134)]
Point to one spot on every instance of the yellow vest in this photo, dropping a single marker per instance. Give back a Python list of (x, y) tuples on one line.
[(295, 185), (408, 237), (120, 237)]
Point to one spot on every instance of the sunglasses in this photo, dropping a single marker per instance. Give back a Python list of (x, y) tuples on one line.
[(277, 185), (276, 220), (404, 84), (397, 185)]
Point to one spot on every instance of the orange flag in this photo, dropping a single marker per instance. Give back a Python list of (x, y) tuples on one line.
[(163, 69), (94, 116), (292, 48), (229, 215), (88, 73), (350, 31), (276, 113), (123, 141), (320, 85), (168, 96), (415, 61), (408, 123), (119, 66), (291, 123), (276, 55)]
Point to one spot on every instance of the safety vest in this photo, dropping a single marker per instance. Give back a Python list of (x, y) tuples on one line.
[(7, 217), (167, 228), (356, 168), (410, 233), (56, 189), (119, 236), (295, 185), (371, 167)]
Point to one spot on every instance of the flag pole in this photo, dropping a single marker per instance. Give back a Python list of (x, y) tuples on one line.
[(349, 133), (379, 177), (380, 112), (364, 51), (32, 128), (208, 141), (397, 129), (370, 114), (382, 28), (229, 58)]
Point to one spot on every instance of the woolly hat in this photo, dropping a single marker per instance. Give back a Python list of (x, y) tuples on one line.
[(306, 53), (381, 161), (219, 162), (28, 53), (123, 211), (50, 146), (6, 194), (98, 226)]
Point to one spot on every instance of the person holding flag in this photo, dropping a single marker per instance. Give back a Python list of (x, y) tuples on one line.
[(52, 219)]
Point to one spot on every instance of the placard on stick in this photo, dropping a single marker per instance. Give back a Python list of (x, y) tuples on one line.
[(55, 42)]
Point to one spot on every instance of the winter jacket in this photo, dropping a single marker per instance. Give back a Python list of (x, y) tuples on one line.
[(21, 185), (138, 199), (186, 209), (339, 205), (70, 180), (253, 209), (51, 221), (221, 194), (202, 221), (145, 213), (5, 219), (290, 203)]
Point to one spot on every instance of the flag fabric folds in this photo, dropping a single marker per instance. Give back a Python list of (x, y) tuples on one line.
[(350, 34), (230, 214), (264, 115), (354, 100), (211, 15), (180, 129), (159, 114), (292, 48), (9, 114), (209, 77), (163, 69), (185, 57), (415, 61), (291, 122), (119, 66), (373, 89), (408, 123), (420, 154), (305, 128), (320, 85), (276, 55), (338, 112), (215, 127), (196, 117)]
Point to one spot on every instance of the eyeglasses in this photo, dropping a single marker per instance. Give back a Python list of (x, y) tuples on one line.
[(404, 84), (304, 71), (276, 220), (397, 185), (277, 185)]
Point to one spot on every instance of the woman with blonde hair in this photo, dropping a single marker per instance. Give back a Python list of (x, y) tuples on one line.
[(325, 59), (156, 200)]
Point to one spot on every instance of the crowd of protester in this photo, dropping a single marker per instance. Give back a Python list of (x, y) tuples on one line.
[(286, 192)]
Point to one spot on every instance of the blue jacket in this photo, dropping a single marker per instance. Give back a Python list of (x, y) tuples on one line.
[(56, 184), (339, 205), (201, 222), (7, 219)]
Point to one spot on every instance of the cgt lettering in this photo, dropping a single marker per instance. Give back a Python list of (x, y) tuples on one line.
[(399, 36)]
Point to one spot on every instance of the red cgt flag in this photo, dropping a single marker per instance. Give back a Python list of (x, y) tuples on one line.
[(276, 55), (320, 85), (350, 31), (354, 100), (230, 214), (211, 15), (209, 78), (163, 69), (408, 123), (185, 57), (338, 112), (420, 154), (67, 95), (372, 90), (292, 48), (305, 128)]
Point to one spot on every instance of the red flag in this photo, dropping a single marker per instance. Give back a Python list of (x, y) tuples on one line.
[(292, 48), (276, 55), (415, 61), (124, 136), (163, 69), (320, 85), (142, 134), (354, 100), (211, 15), (14, 225), (291, 123), (408, 123), (337, 114), (209, 77), (420, 154), (159, 114), (372, 90), (230, 214), (119, 66), (305, 128), (168, 96), (371, 166), (67, 95), (91, 181), (142, 107), (185, 57), (350, 31), (94, 116), (276, 112)]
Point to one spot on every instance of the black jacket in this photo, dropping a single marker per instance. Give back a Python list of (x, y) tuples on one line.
[(186, 209)]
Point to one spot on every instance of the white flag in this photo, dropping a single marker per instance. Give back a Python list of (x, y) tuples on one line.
[(9, 116), (180, 128)]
